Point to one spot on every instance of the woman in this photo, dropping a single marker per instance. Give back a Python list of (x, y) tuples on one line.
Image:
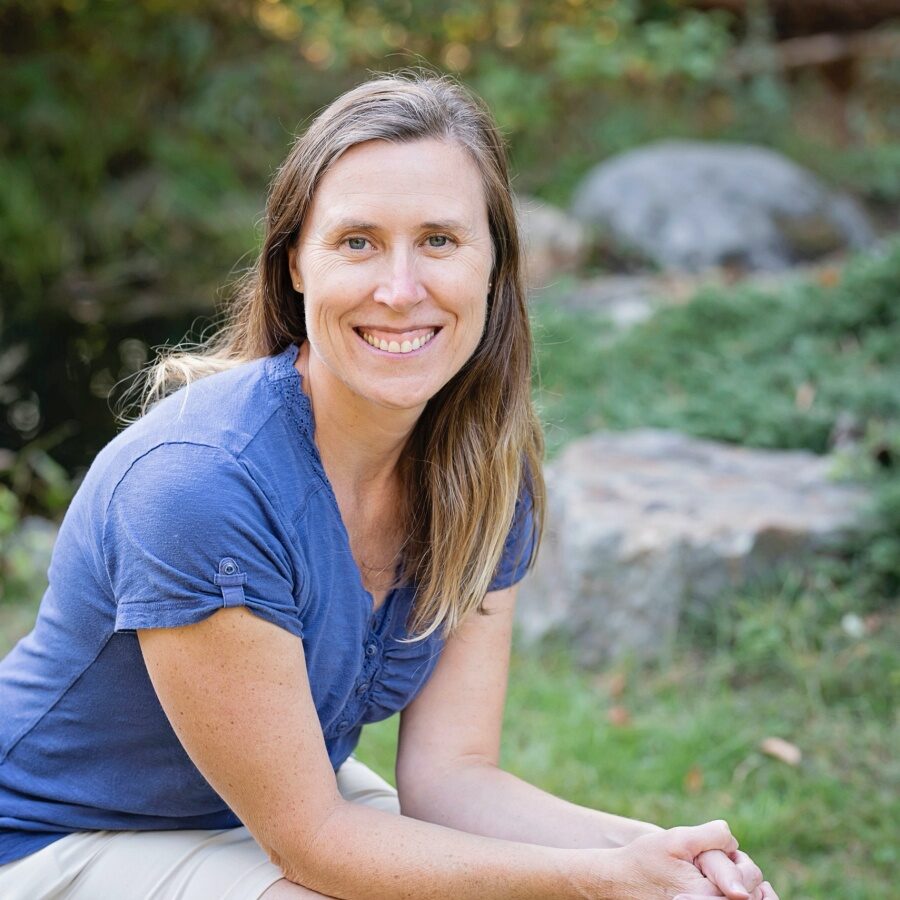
[(325, 529)]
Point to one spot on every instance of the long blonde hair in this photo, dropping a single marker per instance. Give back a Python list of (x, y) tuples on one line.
[(478, 446)]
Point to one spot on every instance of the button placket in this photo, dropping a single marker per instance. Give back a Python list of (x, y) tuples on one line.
[(371, 665)]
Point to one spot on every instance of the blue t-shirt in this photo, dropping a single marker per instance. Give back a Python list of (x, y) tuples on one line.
[(215, 498)]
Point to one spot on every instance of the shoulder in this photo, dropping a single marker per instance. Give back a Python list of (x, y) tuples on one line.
[(203, 428), (224, 438)]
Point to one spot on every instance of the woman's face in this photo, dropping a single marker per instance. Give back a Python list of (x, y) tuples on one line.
[(394, 262)]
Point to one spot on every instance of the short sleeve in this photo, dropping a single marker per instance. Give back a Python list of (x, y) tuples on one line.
[(187, 532), (519, 545)]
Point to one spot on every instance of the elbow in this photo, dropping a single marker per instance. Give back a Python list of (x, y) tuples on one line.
[(415, 792), (427, 793), (300, 851)]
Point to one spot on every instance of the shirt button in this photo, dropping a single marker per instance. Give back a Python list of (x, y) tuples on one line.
[(228, 567), (343, 724), (371, 649), (362, 688)]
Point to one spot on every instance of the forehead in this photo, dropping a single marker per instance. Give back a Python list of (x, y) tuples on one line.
[(423, 179)]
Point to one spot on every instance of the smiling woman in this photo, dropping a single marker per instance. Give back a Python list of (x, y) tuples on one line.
[(319, 520)]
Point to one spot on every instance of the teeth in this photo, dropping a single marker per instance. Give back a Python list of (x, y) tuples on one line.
[(394, 346)]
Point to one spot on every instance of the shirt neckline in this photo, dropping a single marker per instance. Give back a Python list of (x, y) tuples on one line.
[(282, 372)]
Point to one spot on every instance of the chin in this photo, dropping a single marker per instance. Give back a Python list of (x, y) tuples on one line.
[(399, 402), (399, 398)]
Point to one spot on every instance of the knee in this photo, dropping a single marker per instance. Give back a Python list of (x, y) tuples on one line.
[(287, 890)]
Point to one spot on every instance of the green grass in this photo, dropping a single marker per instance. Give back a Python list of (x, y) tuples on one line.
[(729, 364)]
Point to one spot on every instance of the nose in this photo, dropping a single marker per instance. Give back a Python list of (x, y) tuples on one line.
[(400, 287)]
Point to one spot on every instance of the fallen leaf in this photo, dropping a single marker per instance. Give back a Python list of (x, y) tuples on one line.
[(619, 716), (693, 780), (781, 749)]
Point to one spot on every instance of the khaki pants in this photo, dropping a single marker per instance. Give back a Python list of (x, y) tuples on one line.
[(224, 864)]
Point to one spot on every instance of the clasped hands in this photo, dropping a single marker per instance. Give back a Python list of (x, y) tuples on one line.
[(691, 863)]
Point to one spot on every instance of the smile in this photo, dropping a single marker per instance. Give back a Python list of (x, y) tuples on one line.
[(397, 343)]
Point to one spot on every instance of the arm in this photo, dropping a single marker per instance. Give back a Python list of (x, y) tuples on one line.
[(235, 690), (447, 764)]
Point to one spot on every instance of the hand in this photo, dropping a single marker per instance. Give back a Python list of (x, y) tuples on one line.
[(660, 865), (735, 872)]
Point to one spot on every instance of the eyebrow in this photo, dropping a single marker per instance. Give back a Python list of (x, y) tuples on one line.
[(349, 224)]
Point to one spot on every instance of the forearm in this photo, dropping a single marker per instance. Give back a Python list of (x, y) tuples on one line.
[(482, 799), (360, 853)]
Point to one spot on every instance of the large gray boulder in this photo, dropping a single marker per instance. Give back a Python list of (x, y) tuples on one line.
[(690, 206), (645, 525)]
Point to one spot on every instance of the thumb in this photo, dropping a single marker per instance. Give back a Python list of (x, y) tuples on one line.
[(689, 841)]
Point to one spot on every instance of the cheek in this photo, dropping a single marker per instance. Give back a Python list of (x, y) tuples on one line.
[(473, 320), (323, 326)]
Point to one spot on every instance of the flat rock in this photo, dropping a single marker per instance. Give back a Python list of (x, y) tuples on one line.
[(644, 526)]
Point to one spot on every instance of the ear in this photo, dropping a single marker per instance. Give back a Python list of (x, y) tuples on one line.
[(294, 267)]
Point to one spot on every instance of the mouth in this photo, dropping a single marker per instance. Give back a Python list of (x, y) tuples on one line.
[(397, 343)]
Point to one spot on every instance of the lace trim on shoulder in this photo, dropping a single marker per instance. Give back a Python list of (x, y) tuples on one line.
[(285, 379)]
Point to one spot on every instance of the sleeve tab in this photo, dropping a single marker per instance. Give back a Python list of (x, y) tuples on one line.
[(231, 582)]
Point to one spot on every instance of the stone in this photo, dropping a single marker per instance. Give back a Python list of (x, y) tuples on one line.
[(691, 205), (554, 242), (646, 526)]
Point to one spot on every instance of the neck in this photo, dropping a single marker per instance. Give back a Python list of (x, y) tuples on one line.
[(360, 443)]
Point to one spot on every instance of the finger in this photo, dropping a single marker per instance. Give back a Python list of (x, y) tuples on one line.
[(691, 840), (693, 897), (724, 874), (750, 874), (768, 891)]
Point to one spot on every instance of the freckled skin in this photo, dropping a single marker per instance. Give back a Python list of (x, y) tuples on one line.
[(398, 273)]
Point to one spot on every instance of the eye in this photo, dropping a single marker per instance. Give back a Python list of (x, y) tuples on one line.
[(356, 243), (438, 241)]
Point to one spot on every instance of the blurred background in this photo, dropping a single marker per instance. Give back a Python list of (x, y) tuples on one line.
[(710, 192)]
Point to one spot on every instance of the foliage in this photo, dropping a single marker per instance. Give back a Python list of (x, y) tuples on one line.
[(138, 136), (24, 552), (766, 368)]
